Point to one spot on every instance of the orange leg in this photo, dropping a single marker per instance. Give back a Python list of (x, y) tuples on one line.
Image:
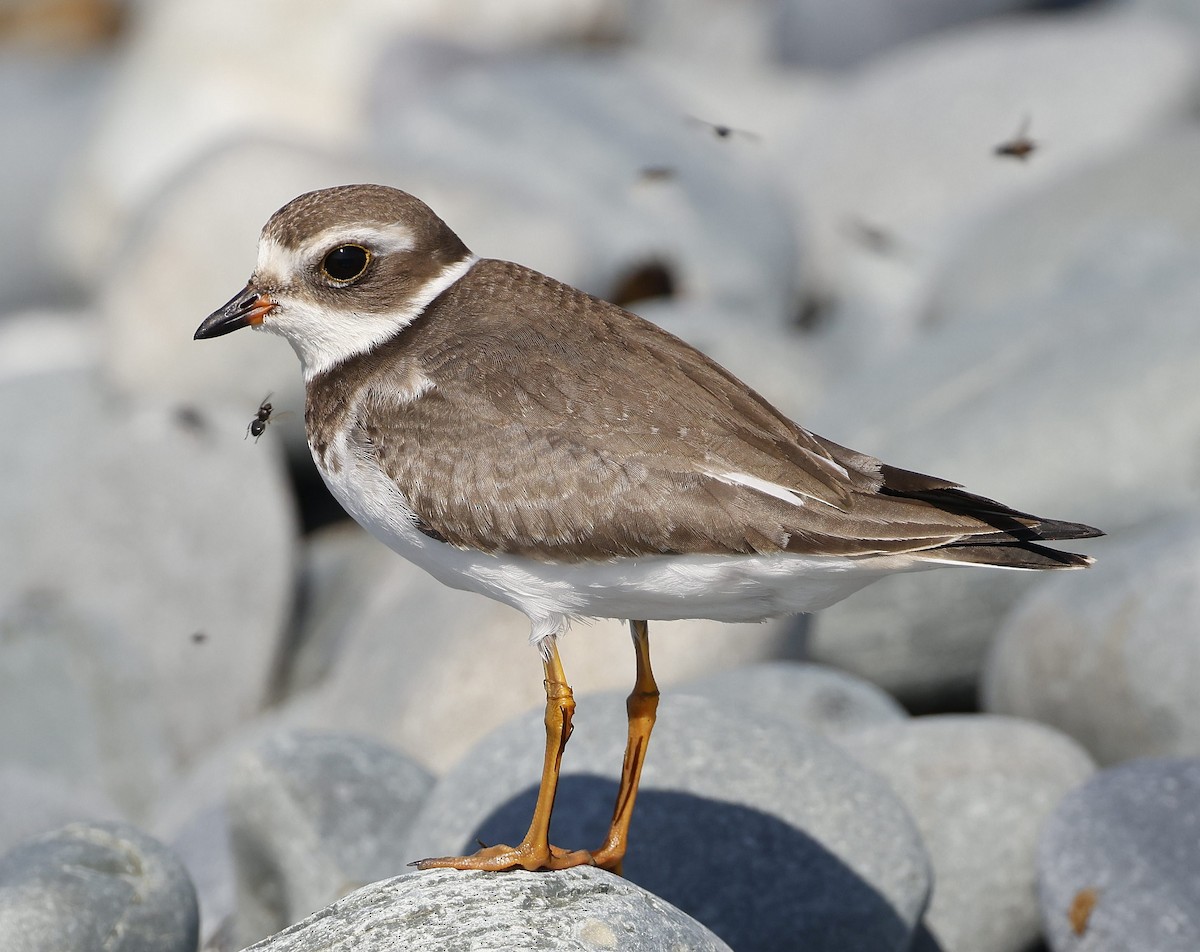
[(534, 851), (641, 707)]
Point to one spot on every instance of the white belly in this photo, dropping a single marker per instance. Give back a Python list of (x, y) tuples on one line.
[(664, 587)]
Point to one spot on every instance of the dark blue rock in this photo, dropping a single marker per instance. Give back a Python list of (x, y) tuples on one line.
[(767, 833)]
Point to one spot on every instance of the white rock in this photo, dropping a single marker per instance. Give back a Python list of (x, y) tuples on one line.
[(890, 170), (719, 35), (761, 103), (47, 105), (193, 76), (1062, 237), (573, 137), (836, 35), (161, 525), (577, 910), (37, 341), (1111, 659), (430, 670)]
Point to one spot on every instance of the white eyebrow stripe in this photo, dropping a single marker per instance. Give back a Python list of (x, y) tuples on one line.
[(765, 486), (277, 262), (384, 239)]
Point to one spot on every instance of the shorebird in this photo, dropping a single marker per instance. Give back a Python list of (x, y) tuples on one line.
[(517, 437)]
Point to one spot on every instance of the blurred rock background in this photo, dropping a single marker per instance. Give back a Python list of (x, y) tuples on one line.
[(962, 236)]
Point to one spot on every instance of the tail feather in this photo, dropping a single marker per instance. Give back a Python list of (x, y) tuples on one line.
[(1010, 555), (1009, 541)]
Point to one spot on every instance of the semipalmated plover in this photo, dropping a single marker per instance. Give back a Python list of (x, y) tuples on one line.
[(519, 438)]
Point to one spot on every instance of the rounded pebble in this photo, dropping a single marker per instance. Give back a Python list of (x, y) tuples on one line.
[(812, 696), (313, 816), (1119, 861), (770, 835), (101, 886), (576, 910), (979, 788), (1111, 656)]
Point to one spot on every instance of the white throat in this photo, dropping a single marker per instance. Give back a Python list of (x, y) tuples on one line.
[(322, 339)]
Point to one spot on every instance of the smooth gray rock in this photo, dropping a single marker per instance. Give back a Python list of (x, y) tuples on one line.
[(103, 887), (193, 817), (398, 656), (189, 79), (568, 138), (1119, 862), (77, 701), (176, 527), (816, 33), (233, 188), (203, 845), (979, 789), (1111, 658), (810, 696), (312, 817), (890, 175), (1035, 384), (48, 106), (1183, 12), (35, 801), (719, 35), (38, 340), (768, 834), (920, 636), (577, 910)]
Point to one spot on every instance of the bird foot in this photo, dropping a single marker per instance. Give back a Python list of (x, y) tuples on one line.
[(611, 858), (525, 856)]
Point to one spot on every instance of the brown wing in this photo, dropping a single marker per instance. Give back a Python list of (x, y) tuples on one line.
[(577, 428)]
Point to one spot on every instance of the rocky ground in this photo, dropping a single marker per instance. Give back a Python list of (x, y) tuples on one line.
[(228, 717)]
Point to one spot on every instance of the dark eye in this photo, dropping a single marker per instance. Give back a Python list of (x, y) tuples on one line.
[(346, 263)]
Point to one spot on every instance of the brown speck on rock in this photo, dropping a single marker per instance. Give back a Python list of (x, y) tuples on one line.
[(1081, 909)]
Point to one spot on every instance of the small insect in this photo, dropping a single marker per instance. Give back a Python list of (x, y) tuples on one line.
[(1019, 146), (874, 238), (1081, 909), (258, 426), (657, 173), (722, 131)]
